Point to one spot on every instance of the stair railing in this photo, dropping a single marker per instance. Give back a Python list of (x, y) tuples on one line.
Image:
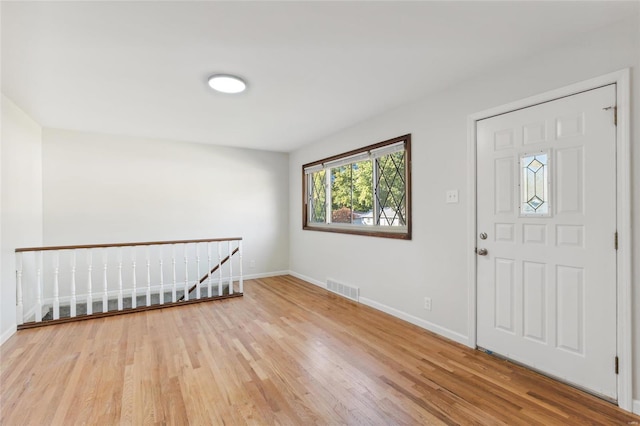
[(64, 283), (208, 275)]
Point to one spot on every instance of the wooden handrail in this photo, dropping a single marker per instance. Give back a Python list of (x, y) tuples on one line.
[(208, 274), (146, 243)]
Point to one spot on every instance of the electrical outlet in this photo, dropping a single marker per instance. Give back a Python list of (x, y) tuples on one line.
[(452, 196), (427, 303), (252, 264)]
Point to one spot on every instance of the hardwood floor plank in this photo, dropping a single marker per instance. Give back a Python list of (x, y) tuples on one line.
[(288, 353)]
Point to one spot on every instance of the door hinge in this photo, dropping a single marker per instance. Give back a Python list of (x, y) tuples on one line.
[(617, 365), (615, 240), (615, 114)]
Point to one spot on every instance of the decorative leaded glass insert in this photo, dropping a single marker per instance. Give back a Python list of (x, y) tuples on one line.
[(318, 192), (535, 184), (390, 190)]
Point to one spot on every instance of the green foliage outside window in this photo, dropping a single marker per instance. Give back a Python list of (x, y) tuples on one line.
[(351, 187)]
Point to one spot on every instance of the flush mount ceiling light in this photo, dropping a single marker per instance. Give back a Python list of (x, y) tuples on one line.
[(227, 83)]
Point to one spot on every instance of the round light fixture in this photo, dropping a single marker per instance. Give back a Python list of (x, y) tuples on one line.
[(227, 83)]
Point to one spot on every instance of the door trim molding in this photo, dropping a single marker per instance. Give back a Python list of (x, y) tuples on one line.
[(623, 208)]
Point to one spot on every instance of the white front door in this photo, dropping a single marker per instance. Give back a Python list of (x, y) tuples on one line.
[(546, 220)]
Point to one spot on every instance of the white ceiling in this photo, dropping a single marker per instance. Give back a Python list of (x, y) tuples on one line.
[(313, 68)]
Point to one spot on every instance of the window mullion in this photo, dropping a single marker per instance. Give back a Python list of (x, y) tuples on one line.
[(351, 185), (327, 197), (309, 196), (374, 183)]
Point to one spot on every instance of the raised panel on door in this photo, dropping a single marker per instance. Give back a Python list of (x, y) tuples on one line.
[(504, 183), (535, 301), (570, 180), (504, 293), (570, 308)]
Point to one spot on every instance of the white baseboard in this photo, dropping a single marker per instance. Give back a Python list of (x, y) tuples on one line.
[(636, 406), (442, 331), (31, 313), (263, 275), (308, 279), (8, 333)]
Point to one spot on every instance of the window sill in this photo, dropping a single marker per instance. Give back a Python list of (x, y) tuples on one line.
[(399, 233)]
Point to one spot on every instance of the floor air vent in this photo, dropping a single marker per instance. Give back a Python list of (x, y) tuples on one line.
[(349, 292)]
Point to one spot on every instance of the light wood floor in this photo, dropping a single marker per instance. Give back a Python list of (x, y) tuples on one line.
[(285, 353)]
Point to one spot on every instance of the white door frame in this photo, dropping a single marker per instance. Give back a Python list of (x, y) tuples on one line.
[(623, 207)]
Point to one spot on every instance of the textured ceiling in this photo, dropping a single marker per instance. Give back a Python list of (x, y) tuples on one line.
[(313, 68)]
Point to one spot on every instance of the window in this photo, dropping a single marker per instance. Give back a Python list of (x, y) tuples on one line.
[(534, 182), (365, 191)]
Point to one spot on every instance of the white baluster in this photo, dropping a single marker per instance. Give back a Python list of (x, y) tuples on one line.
[(219, 268), (89, 283), (39, 287), (105, 292), (173, 268), (209, 269), (230, 268), (186, 274), (56, 285), (73, 302), (197, 272), (241, 279), (134, 291), (161, 295), (120, 292), (19, 301), (148, 278)]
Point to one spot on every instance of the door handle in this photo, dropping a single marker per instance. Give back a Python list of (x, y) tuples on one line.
[(482, 252)]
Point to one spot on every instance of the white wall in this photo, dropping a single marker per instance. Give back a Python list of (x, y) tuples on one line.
[(108, 189), (397, 275), (21, 198)]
